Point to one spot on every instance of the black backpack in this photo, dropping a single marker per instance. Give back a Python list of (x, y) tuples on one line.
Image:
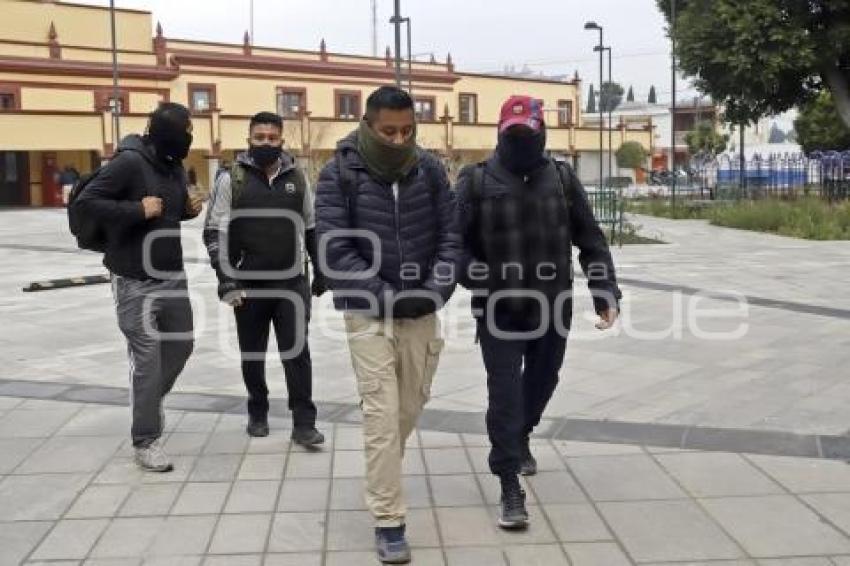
[(89, 233)]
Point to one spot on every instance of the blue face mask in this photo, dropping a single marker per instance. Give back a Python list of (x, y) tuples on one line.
[(521, 153)]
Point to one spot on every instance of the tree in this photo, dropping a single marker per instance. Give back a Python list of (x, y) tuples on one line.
[(631, 96), (818, 126), (777, 135), (610, 96), (631, 155), (653, 98), (591, 101), (764, 57), (704, 141)]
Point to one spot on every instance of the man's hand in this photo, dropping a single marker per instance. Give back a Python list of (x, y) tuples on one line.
[(152, 207), (607, 319), (194, 204), (230, 293)]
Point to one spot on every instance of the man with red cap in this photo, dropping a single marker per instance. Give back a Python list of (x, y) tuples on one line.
[(520, 212)]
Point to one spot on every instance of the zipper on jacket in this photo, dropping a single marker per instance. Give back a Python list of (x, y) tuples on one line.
[(396, 190)]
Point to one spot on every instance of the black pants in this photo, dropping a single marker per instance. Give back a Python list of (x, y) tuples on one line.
[(258, 313), (521, 378)]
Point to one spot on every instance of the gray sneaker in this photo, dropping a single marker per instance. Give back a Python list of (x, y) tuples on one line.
[(152, 458)]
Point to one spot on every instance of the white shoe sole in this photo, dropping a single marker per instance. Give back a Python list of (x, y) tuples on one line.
[(513, 525), (158, 469)]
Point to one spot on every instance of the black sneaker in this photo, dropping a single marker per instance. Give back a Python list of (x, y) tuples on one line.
[(257, 427), (307, 437), (391, 545), (513, 514), (527, 464)]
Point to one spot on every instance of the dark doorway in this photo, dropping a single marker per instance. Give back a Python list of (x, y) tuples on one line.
[(14, 178)]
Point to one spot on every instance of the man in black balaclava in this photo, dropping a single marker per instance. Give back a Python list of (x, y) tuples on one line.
[(519, 212), (139, 198), (253, 210)]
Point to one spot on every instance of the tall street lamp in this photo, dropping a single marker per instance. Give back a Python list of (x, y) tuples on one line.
[(400, 20), (673, 101), (396, 20), (610, 110), (116, 96), (595, 26)]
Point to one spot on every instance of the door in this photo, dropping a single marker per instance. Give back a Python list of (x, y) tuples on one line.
[(14, 178), (51, 191)]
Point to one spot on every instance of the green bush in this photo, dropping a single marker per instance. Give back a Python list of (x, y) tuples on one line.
[(808, 218)]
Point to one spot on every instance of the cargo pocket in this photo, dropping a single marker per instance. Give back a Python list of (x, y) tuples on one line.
[(434, 348)]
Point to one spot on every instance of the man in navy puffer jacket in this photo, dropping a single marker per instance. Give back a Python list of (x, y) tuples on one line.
[(385, 220)]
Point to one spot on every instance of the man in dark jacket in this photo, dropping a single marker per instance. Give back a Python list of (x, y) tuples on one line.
[(261, 212), (140, 198), (385, 220), (520, 213)]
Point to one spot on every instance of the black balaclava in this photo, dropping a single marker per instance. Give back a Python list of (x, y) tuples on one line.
[(167, 130), (521, 150)]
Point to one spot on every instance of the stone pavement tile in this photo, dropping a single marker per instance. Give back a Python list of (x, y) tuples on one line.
[(112, 562), (216, 467), (70, 539), (71, 454), (99, 501), (296, 559), (350, 530), (348, 438), (421, 528), (201, 498), (435, 439), (416, 492), (413, 463), (15, 450), (556, 487), (18, 539), (183, 536), (805, 475), (475, 440), (262, 467), (536, 555), (349, 464), (467, 526), (478, 455), (596, 554), (571, 449), (130, 537), (616, 478), (227, 443), (709, 563), (446, 461), (456, 491), (197, 422), (841, 560), (708, 474), (421, 557), (26, 423), (150, 500), (796, 562), (53, 563), (576, 522), (240, 534), (272, 444), (475, 556), (185, 443), (173, 561), (297, 532), (304, 495), (234, 560), (833, 506), (548, 459), (309, 465), (252, 497), (38, 497), (668, 531), (95, 420), (776, 526), (347, 493)]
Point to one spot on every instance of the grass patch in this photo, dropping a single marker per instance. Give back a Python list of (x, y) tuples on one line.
[(630, 236), (810, 218)]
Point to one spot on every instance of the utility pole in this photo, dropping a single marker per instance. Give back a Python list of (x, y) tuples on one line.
[(397, 21), (116, 95)]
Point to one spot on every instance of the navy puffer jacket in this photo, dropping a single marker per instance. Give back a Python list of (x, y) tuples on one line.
[(419, 243)]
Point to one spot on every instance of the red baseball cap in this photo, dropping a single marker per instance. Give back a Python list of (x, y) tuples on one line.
[(521, 110)]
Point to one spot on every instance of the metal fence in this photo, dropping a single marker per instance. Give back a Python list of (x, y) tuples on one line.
[(824, 174)]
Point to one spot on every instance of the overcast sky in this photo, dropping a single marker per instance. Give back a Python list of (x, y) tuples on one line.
[(482, 35)]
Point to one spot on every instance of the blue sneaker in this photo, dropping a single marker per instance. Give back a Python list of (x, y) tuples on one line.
[(392, 545)]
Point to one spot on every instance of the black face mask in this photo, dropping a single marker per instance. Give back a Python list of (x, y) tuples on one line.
[(265, 155), (172, 145), (521, 153)]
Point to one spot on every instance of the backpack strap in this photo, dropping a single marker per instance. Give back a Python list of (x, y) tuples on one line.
[(565, 175)]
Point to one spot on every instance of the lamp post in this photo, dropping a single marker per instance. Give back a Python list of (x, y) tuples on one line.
[(396, 20), (595, 26), (409, 54), (610, 109), (673, 102), (116, 97)]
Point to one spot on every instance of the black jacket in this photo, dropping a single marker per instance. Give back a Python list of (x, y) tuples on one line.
[(113, 198), (523, 230)]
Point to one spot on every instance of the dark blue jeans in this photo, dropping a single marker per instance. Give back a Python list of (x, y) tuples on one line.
[(521, 378)]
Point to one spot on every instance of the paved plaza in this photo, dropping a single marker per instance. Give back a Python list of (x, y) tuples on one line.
[(710, 428)]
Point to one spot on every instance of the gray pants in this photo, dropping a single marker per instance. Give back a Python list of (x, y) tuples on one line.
[(156, 319)]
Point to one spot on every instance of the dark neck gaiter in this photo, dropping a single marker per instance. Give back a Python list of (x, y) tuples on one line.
[(521, 153), (388, 162)]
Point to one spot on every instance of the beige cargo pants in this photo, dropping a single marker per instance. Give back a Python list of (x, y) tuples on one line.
[(395, 362)]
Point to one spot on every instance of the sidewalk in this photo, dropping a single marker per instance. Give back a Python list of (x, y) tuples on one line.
[(70, 494)]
